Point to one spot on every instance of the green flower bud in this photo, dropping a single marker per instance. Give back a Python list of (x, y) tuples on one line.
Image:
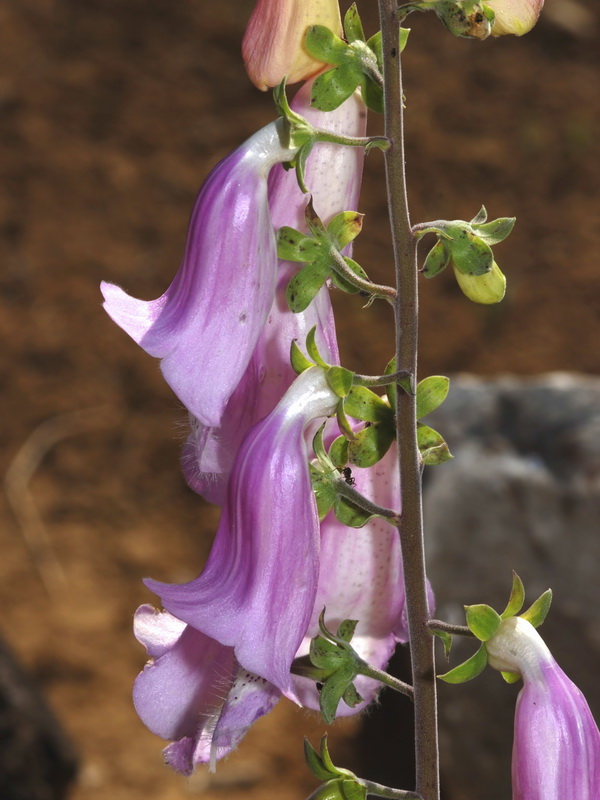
[(486, 289)]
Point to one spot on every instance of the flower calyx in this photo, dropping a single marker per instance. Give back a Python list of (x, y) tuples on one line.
[(320, 254), (357, 62), (339, 784), (467, 245), (485, 623)]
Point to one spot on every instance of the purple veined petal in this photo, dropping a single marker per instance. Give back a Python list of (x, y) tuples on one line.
[(334, 174), (181, 692), (257, 591), (204, 328), (556, 749), (209, 453)]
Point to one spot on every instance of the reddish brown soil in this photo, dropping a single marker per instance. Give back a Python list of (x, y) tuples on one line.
[(111, 114)]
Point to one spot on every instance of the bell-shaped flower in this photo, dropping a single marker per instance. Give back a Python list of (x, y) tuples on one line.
[(273, 46), (193, 691), (556, 750), (257, 591), (333, 173), (204, 328), (514, 16)]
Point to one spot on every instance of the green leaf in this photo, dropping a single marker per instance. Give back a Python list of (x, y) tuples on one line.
[(437, 260), (538, 611), (324, 45), (345, 227), (295, 246), (370, 445), (431, 393), (361, 403), (516, 599), (497, 230), (332, 88), (469, 669), (298, 360), (339, 380), (510, 677), (353, 28), (483, 621), (432, 446), (304, 286), (338, 452)]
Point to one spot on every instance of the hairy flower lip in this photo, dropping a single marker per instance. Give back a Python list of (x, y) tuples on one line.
[(204, 354)]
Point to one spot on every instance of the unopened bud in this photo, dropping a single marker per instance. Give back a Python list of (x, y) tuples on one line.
[(486, 289), (514, 16)]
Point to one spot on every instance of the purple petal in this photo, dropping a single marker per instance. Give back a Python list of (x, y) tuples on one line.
[(206, 325), (556, 751), (257, 591)]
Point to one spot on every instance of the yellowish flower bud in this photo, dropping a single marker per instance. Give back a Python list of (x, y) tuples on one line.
[(514, 16), (487, 289), (273, 46)]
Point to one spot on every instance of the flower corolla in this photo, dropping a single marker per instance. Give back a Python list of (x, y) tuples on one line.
[(273, 46), (204, 328), (333, 173), (556, 749), (514, 16)]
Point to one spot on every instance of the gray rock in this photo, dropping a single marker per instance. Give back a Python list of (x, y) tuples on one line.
[(522, 493)]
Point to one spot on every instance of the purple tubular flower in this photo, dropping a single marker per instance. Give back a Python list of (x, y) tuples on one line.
[(257, 591), (334, 175), (204, 328), (556, 750), (194, 692)]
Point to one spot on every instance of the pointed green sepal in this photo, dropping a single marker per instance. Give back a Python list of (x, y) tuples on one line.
[(343, 283), (312, 349), (495, 231), (324, 45), (346, 629), (345, 227), (483, 621), (338, 452), (437, 260), (332, 88), (446, 638), (295, 246), (361, 403), (480, 217), (353, 28), (304, 286), (470, 254), (469, 669), (351, 696), (370, 445), (431, 393), (349, 514), (344, 423), (298, 360), (333, 691), (510, 677), (516, 599), (432, 446), (315, 761), (538, 611), (339, 380), (324, 490), (319, 448)]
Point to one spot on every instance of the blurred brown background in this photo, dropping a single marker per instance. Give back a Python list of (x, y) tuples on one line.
[(111, 114)]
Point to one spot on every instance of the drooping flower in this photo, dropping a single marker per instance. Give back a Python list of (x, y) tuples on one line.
[(514, 16), (204, 328), (556, 750), (333, 174), (257, 591), (194, 692), (273, 45)]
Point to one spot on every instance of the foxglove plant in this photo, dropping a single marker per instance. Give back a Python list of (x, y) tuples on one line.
[(291, 602)]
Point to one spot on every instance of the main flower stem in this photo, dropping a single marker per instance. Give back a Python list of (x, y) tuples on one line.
[(406, 312)]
